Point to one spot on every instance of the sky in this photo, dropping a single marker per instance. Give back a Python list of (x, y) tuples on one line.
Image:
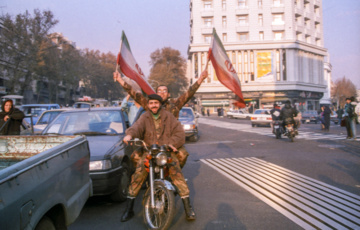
[(154, 24)]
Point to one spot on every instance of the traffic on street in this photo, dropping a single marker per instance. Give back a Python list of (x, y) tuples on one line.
[(242, 177)]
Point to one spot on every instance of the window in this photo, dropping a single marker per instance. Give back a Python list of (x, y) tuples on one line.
[(299, 36), (278, 35), (242, 3), (277, 65), (260, 19), (317, 27), (246, 66), (208, 22), (207, 38), (308, 38), (261, 35), (243, 37), (207, 4), (260, 3), (318, 42), (277, 3), (242, 20), (224, 21), (278, 19), (223, 4), (224, 36), (252, 76), (307, 22), (239, 66)]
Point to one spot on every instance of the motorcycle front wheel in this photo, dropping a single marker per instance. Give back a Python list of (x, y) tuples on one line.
[(160, 216)]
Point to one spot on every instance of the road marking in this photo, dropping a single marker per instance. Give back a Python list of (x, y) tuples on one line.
[(309, 203), (268, 131)]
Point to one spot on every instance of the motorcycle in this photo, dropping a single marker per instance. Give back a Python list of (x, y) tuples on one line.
[(159, 198), (277, 129), (290, 130)]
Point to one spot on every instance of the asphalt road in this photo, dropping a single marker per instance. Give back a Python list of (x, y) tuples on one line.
[(243, 178)]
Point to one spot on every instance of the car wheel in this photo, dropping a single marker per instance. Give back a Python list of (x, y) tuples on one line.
[(45, 224), (303, 122), (252, 125), (194, 138), (315, 122), (121, 192)]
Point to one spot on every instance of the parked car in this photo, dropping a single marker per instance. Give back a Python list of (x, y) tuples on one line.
[(240, 114), (104, 128), (310, 116), (334, 118), (261, 117), (46, 118), (189, 121), (33, 111)]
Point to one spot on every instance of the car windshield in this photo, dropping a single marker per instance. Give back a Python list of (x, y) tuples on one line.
[(259, 111), (96, 122), (47, 117), (186, 114)]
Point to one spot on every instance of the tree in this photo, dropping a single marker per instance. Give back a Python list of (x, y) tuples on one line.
[(21, 42), (342, 88), (169, 69), (97, 69)]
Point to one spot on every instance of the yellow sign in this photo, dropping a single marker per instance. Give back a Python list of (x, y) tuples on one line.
[(263, 63)]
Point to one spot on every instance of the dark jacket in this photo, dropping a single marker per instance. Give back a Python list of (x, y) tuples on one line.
[(12, 127), (288, 112), (171, 132)]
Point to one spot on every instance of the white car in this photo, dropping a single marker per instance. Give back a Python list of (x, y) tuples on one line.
[(240, 114), (261, 117)]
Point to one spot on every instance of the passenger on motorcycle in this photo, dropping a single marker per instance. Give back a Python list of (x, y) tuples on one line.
[(172, 105), (275, 115), (157, 126), (288, 113)]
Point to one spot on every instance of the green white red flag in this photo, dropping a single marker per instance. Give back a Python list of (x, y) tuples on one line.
[(224, 69), (130, 68)]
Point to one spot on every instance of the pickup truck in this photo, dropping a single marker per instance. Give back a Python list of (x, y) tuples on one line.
[(44, 181)]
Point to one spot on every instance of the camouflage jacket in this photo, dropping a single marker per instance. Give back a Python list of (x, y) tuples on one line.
[(172, 105)]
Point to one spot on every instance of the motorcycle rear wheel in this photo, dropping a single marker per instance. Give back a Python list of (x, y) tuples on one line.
[(278, 134), (162, 215)]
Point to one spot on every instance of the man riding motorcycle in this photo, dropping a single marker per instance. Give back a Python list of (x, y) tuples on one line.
[(288, 113), (158, 126), (172, 105), (275, 114)]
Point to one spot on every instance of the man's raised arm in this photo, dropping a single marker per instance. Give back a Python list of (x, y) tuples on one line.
[(183, 99), (137, 96)]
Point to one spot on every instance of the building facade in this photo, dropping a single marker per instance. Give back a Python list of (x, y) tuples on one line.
[(276, 47)]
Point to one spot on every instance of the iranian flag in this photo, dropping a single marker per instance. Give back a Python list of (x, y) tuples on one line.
[(224, 70), (130, 68)]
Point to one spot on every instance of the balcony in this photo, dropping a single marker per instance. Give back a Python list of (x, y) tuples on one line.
[(299, 28), (207, 13), (277, 26), (278, 9), (241, 11), (206, 30), (242, 28)]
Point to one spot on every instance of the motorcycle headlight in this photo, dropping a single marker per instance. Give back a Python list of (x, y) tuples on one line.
[(161, 159), (100, 165)]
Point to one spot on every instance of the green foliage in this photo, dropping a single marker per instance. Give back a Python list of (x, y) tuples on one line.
[(169, 69)]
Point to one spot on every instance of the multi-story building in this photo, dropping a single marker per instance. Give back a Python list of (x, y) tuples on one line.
[(276, 47)]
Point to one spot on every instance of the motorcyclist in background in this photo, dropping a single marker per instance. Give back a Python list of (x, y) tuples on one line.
[(288, 113), (275, 115)]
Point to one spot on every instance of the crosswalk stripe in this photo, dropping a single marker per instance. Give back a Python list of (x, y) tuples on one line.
[(309, 203)]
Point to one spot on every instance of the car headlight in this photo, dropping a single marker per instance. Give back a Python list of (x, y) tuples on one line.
[(100, 165), (161, 159)]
